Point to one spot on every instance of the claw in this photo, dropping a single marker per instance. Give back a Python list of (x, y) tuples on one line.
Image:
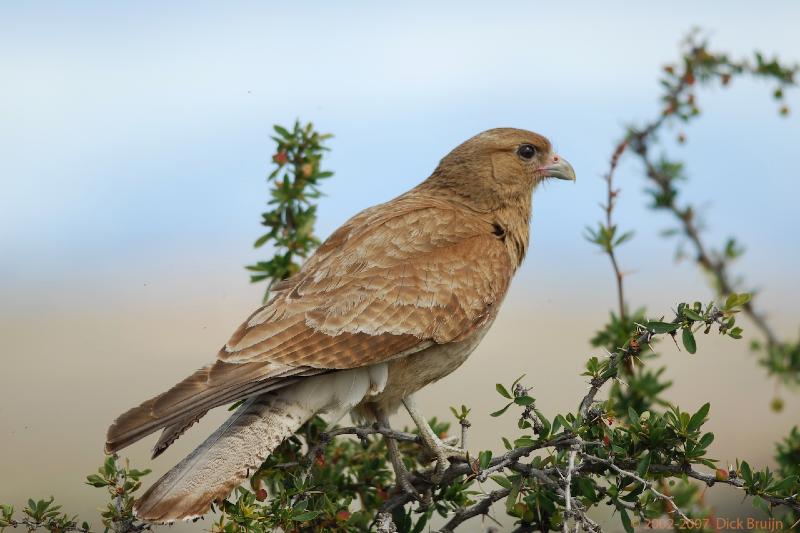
[(405, 485), (438, 449)]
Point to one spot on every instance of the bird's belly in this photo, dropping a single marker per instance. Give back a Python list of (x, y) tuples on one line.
[(407, 375)]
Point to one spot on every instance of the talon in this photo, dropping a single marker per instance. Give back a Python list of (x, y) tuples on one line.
[(442, 464), (409, 489)]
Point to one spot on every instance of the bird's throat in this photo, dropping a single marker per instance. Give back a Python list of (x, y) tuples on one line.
[(515, 221)]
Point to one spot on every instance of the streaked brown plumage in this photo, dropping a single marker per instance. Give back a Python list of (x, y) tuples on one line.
[(393, 300)]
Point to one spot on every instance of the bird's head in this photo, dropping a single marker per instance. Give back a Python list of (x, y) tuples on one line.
[(500, 166)]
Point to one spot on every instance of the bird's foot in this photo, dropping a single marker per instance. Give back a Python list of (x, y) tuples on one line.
[(404, 484), (443, 453)]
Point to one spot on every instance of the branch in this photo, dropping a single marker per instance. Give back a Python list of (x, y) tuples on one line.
[(611, 195), (717, 268), (481, 508), (641, 480), (616, 358), (568, 487), (675, 470)]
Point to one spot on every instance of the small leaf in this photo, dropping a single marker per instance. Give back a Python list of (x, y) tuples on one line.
[(644, 464), (689, 313), (261, 240), (95, 481), (511, 499), (633, 416), (626, 520), (283, 132), (688, 340), (524, 400), (484, 458), (698, 418), (747, 475), (501, 411), (706, 440), (662, 327), (523, 442), (305, 516), (502, 390), (502, 481)]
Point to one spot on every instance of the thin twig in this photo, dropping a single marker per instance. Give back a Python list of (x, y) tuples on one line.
[(717, 268), (641, 480), (793, 502), (568, 488), (609, 209), (645, 336), (480, 508)]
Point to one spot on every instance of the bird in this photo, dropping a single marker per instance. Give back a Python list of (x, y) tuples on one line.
[(394, 300)]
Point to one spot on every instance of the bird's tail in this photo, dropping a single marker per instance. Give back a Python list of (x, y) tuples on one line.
[(245, 440)]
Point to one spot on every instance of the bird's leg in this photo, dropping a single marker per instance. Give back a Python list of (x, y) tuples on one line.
[(439, 449), (400, 471)]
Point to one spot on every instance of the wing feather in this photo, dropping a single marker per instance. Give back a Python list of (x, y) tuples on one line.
[(392, 281)]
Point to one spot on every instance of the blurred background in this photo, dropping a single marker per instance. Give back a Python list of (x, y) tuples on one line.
[(134, 145)]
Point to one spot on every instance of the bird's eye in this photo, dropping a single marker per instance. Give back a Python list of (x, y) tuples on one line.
[(526, 151)]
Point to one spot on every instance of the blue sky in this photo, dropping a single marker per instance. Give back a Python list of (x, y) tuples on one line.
[(133, 133)]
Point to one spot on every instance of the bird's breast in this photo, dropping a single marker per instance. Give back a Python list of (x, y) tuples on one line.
[(407, 375)]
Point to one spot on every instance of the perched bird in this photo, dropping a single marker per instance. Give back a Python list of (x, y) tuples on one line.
[(392, 301)]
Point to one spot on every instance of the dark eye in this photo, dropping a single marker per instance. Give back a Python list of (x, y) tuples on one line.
[(526, 151)]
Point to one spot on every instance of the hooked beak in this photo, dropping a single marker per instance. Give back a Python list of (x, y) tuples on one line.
[(558, 168)]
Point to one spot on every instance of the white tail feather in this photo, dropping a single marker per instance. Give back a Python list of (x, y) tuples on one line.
[(246, 439)]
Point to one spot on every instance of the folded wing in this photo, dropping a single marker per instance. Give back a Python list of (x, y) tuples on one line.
[(395, 279)]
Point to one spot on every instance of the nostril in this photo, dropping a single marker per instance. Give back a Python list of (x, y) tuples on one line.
[(555, 159)]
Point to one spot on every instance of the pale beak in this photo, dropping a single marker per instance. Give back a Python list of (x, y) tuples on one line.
[(558, 168)]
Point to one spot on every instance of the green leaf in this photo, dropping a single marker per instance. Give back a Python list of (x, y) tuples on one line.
[(737, 300), (305, 516), (644, 464), (586, 488), (524, 400), (261, 240), (545, 424), (503, 392), (109, 467), (633, 416), (626, 520), (501, 480), (524, 441), (760, 504), (747, 475), (501, 411), (283, 132), (95, 481), (698, 418), (420, 524), (628, 235), (511, 499), (689, 313), (783, 484), (484, 458), (688, 340), (662, 327), (706, 440)]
